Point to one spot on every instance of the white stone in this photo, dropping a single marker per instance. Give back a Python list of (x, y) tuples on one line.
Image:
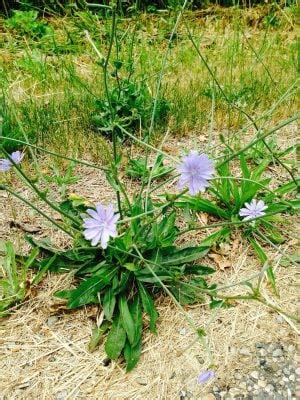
[(277, 353), (291, 348), (262, 352), (262, 383), (244, 351), (209, 396), (269, 388), (254, 375)]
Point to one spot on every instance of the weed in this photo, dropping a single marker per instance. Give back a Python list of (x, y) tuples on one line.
[(138, 169), (14, 281), (27, 23)]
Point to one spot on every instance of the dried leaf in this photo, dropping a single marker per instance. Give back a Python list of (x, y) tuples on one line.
[(221, 261)]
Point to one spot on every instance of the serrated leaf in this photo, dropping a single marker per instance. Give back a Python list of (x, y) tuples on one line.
[(148, 306), (116, 339)]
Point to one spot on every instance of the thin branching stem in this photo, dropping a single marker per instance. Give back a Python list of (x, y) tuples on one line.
[(38, 210)]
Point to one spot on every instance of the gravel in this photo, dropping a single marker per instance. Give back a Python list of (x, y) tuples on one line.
[(275, 375)]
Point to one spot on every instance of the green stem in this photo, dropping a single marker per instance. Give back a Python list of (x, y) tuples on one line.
[(40, 194), (3, 187), (220, 224), (161, 209), (55, 154), (145, 144), (230, 103), (263, 136), (266, 239), (262, 301)]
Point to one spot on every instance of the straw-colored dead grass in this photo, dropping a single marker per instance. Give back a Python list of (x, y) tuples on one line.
[(43, 346), (46, 358)]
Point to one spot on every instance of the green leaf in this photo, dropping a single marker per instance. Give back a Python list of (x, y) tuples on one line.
[(219, 304), (97, 335), (215, 237), (116, 339), (148, 306), (256, 174), (271, 278), (198, 204), (264, 259), (123, 282), (109, 302), (44, 268), (87, 290), (63, 294), (131, 266), (127, 320), (182, 256), (199, 270), (163, 234), (132, 354), (137, 316), (259, 251), (244, 167)]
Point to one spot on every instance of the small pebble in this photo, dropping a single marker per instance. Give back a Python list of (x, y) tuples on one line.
[(262, 383), (52, 320), (274, 378), (277, 353), (61, 395), (269, 388), (291, 348), (254, 375), (244, 351), (262, 352), (209, 396), (141, 381)]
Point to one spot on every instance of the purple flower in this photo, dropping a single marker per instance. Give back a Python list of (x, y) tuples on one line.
[(101, 226), (195, 171), (6, 164), (205, 376), (253, 210)]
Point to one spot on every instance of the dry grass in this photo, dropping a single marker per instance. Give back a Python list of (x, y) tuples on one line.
[(46, 358)]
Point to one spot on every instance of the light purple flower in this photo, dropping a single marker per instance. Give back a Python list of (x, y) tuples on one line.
[(6, 164), (253, 210), (205, 376), (195, 171), (101, 226)]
